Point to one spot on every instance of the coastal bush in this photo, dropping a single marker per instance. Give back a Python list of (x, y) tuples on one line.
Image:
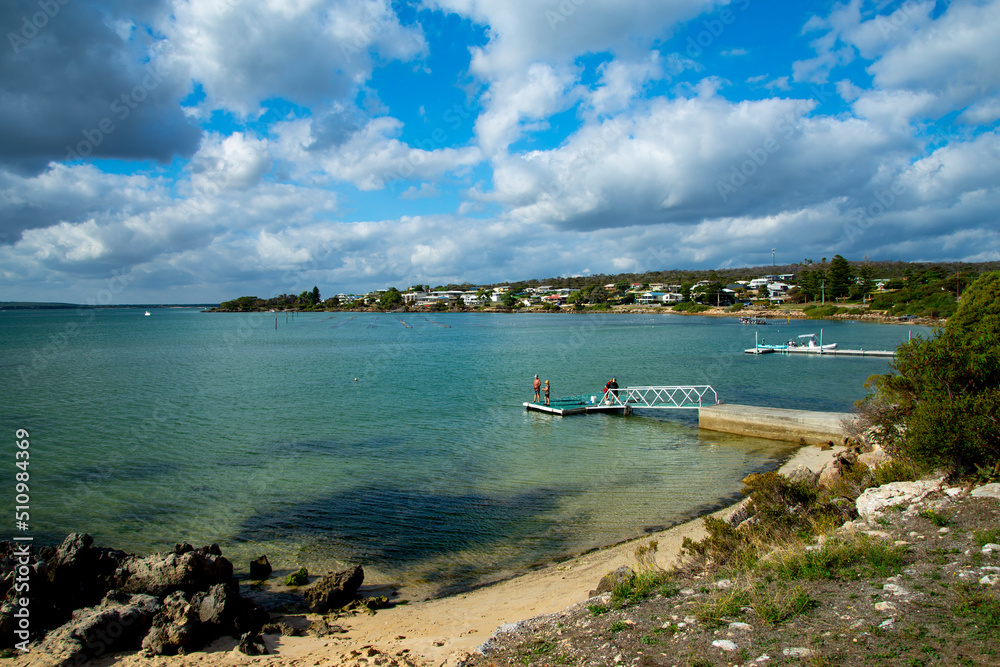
[(641, 585), (690, 307), (784, 511), (854, 480), (769, 602), (939, 405), (840, 559)]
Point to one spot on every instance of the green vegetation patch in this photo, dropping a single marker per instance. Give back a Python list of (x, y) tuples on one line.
[(690, 307), (840, 559), (298, 578)]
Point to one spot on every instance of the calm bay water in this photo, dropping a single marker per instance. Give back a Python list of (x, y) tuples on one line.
[(395, 441)]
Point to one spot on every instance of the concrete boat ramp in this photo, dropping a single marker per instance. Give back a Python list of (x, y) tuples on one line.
[(802, 426)]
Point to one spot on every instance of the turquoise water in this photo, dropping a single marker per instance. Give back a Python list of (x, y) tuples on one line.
[(395, 441)]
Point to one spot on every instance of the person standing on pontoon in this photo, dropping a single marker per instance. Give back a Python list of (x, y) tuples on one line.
[(546, 392), (537, 386)]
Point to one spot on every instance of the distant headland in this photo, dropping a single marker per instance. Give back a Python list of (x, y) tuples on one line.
[(925, 293)]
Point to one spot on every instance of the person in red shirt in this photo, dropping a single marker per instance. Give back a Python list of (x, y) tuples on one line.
[(537, 385)]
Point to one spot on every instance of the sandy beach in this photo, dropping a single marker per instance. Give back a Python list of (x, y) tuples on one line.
[(442, 631)]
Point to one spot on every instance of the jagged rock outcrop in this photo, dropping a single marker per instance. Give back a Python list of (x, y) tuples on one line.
[(260, 568), (118, 623), (876, 500), (185, 569), (93, 600), (802, 474), (833, 471), (335, 590)]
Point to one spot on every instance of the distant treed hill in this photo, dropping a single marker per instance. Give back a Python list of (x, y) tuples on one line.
[(918, 288), (901, 270)]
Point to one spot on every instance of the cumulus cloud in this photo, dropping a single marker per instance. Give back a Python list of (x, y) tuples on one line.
[(923, 66), (233, 162), (528, 62), (83, 80), (369, 158), (243, 51), (687, 160), (70, 193)]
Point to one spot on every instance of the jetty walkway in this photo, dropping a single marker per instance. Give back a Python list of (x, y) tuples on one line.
[(813, 350), (803, 426)]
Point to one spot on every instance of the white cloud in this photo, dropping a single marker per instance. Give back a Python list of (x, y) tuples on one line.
[(539, 93), (926, 66), (243, 52), (528, 62), (982, 113), (233, 162), (623, 81), (370, 158), (688, 160)]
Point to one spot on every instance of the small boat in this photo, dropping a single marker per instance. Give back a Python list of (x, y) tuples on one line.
[(811, 342), (147, 313)]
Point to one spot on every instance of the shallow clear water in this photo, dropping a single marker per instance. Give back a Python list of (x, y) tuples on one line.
[(329, 439)]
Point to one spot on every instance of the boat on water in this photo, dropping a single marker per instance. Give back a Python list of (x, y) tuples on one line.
[(805, 343), (812, 342), (753, 319), (147, 313)]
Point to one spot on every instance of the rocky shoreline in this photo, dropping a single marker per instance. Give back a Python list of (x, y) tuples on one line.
[(79, 602), (875, 317)]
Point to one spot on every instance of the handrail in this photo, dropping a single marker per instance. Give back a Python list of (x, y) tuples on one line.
[(675, 396)]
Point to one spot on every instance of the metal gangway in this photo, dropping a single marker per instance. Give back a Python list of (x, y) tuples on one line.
[(683, 397)]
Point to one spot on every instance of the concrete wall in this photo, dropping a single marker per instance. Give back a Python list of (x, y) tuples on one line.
[(805, 426)]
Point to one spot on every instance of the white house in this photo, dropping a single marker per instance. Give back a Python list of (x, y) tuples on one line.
[(473, 299), (673, 297), (649, 298), (413, 297)]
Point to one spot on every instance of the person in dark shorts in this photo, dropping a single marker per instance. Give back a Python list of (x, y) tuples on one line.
[(536, 385), (546, 392)]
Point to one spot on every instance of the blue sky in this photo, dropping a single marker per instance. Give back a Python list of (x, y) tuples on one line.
[(197, 151)]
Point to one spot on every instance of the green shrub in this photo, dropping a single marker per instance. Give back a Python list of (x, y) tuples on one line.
[(945, 391), (690, 307), (641, 585)]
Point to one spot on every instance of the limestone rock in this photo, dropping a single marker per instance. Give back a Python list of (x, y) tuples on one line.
[(874, 458), (334, 590), (118, 623), (252, 643), (78, 574), (612, 579), (260, 568), (175, 627), (803, 474), (185, 569), (218, 606), (987, 491), (876, 500), (740, 513)]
